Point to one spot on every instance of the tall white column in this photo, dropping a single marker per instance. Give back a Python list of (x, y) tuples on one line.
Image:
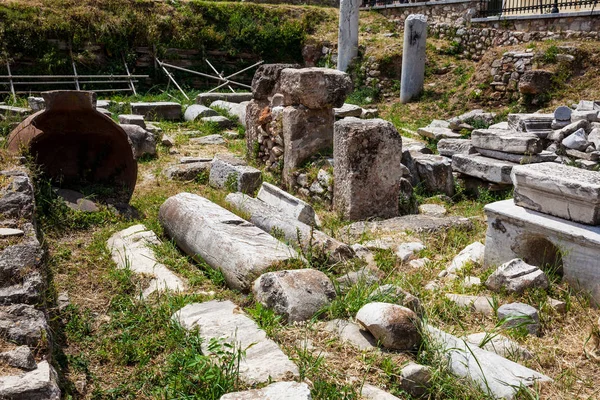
[(348, 33), (413, 57)]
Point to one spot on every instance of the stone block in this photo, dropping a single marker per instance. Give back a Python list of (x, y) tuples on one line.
[(265, 82), (568, 247), (287, 204), (506, 141), (167, 110), (435, 173), (314, 88), (516, 315), (560, 190), (226, 322), (348, 110), (438, 133), (237, 110), (367, 170), (544, 156), (278, 390), (295, 294), (142, 142), (206, 98), (488, 169), (306, 133), (226, 242), (132, 119), (198, 111), (39, 384), (516, 276), (233, 174), (219, 120), (450, 147)]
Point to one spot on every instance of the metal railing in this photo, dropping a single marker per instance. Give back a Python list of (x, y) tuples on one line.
[(381, 3), (489, 8)]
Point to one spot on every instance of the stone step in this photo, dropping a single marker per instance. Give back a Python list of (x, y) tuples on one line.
[(131, 248), (263, 360)]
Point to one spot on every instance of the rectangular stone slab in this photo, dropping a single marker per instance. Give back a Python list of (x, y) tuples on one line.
[(506, 141), (544, 156), (560, 190), (494, 374), (517, 232), (437, 133), (488, 169), (287, 204), (226, 242), (223, 320), (161, 110)]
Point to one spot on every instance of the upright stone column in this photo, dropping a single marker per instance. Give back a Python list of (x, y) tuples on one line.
[(413, 57), (368, 168), (348, 33)]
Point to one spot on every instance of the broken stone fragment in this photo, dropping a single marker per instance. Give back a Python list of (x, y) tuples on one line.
[(519, 315), (20, 357), (196, 111), (516, 276), (275, 391), (416, 379), (395, 327), (295, 294)]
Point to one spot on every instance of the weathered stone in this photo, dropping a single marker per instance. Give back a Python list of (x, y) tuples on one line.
[(233, 174), (560, 190), (364, 275), (275, 391), (196, 111), (36, 103), (77, 201), (562, 113), (295, 294), (471, 281), (557, 305), (485, 168), (538, 124), (473, 253), (142, 142), (14, 111), (450, 147), (370, 392), (218, 120), (437, 133), (473, 117), (10, 232), (594, 138), (539, 239), (544, 156), (586, 105), (224, 321), (352, 333), (235, 109), (500, 345), (306, 132), (591, 116), (16, 197), (395, 327), (413, 57), (348, 110), (416, 379), (265, 82), (495, 375), (214, 139), (406, 251), (517, 315), (132, 248), (479, 304), (348, 33), (516, 276), (535, 82), (204, 230), (434, 210), (207, 98), (314, 88), (167, 141), (506, 141), (576, 141), (309, 239), (132, 119), (39, 384), (435, 174), (158, 110), (287, 204), (16, 260), (23, 325), (560, 134), (500, 125), (187, 171), (20, 357), (367, 168)]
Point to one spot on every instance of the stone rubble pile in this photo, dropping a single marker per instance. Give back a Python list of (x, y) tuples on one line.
[(26, 337)]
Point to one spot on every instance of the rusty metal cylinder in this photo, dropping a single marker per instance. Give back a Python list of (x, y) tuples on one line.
[(76, 146)]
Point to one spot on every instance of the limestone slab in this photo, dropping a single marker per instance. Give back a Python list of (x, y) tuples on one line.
[(450, 147), (231, 173), (351, 332), (560, 190), (438, 133), (287, 204), (488, 169), (39, 384), (131, 248), (226, 242), (480, 304), (544, 156), (500, 345), (275, 391), (238, 97), (496, 375), (226, 322), (158, 110), (517, 232), (506, 141)]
